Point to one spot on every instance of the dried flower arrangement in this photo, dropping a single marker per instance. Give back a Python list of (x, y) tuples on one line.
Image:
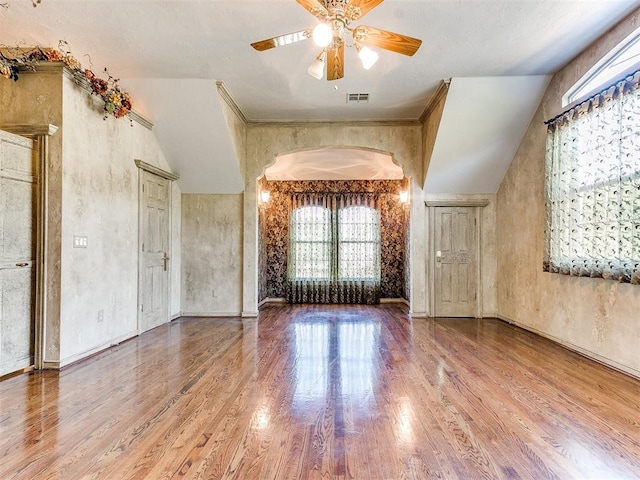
[(35, 3), (117, 103)]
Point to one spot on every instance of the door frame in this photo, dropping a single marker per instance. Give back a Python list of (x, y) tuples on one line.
[(40, 134), (144, 166), (431, 257)]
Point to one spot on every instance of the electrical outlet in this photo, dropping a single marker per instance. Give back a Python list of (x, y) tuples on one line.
[(100, 316)]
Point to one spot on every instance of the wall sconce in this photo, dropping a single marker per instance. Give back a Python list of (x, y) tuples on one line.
[(264, 197), (404, 197)]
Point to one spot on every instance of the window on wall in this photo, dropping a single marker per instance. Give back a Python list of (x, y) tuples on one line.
[(335, 244), (622, 60), (311, 242), (358, 243), (593, 186)]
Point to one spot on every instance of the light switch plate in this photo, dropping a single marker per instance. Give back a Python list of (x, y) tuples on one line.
[(80, 241)]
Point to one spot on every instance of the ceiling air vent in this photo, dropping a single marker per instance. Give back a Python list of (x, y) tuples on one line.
[(357, 98)]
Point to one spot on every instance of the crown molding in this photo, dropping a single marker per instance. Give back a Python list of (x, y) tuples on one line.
[(349, 123), (231, 102), (440, 92)]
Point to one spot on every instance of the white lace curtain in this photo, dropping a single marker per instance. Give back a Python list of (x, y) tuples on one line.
[(593, 186), (334, 250)]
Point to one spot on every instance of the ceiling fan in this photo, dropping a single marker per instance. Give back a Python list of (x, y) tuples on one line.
[(333, 31)]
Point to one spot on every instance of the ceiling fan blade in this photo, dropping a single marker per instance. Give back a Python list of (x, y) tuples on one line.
[(314, 7), (335, 62), (282, 40), (364, 5), (387, 40)]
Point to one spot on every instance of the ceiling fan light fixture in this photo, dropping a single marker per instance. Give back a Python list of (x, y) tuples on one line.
[(316, 69), (322, 35), (368, 57), (334, 18)]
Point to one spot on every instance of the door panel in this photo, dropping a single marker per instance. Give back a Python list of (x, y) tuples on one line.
[(455, 287), (17, 252), (154, 277)]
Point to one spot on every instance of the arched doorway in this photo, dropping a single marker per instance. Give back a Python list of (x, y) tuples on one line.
[(330, 172)]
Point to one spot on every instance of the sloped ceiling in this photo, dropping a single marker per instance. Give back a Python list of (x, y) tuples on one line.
[(483, 123), (192, 131)]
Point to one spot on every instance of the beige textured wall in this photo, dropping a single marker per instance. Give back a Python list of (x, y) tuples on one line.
[(92, 191), (265, 141), (597, 317), (212, 254), (100, 201)]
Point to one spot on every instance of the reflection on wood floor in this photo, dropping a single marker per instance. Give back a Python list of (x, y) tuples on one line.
[(324, 392)]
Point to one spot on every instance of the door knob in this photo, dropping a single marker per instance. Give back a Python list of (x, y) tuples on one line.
[(21, 264), (164, 261), (438, 256)]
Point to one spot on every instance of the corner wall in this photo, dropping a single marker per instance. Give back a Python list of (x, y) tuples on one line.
[(212, 255), (596, 317), (92, 190), (100, 201)]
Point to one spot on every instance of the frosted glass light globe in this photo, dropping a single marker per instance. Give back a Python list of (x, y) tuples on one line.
[(368, 57), (322, 35)]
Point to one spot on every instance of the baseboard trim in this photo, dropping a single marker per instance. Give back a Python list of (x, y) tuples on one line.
[(620, 367), (20, 371), (175, 315), (272, 300), (211, 314), (92, 351), (395, 300), (249, 314), (418, 314)]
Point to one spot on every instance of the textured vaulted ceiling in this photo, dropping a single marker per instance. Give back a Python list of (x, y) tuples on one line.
[(210, 40)]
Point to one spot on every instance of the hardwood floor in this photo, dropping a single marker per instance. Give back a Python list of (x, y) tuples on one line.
[(324, 392)]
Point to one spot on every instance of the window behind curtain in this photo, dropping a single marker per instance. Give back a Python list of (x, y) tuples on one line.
[(593, 186), (311, 242), (358, 243), (334, 254)]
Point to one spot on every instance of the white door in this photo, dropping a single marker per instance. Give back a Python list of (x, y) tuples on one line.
[(455, 262), (154, 251), (17, 252)]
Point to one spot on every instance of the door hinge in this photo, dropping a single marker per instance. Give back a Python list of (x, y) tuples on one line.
[(142, 307)]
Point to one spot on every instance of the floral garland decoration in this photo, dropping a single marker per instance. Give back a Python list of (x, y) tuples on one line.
[(117, 102), (35, 3)]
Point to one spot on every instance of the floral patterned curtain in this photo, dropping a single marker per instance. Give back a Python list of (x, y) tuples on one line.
[(593, 186), (334, 250)]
